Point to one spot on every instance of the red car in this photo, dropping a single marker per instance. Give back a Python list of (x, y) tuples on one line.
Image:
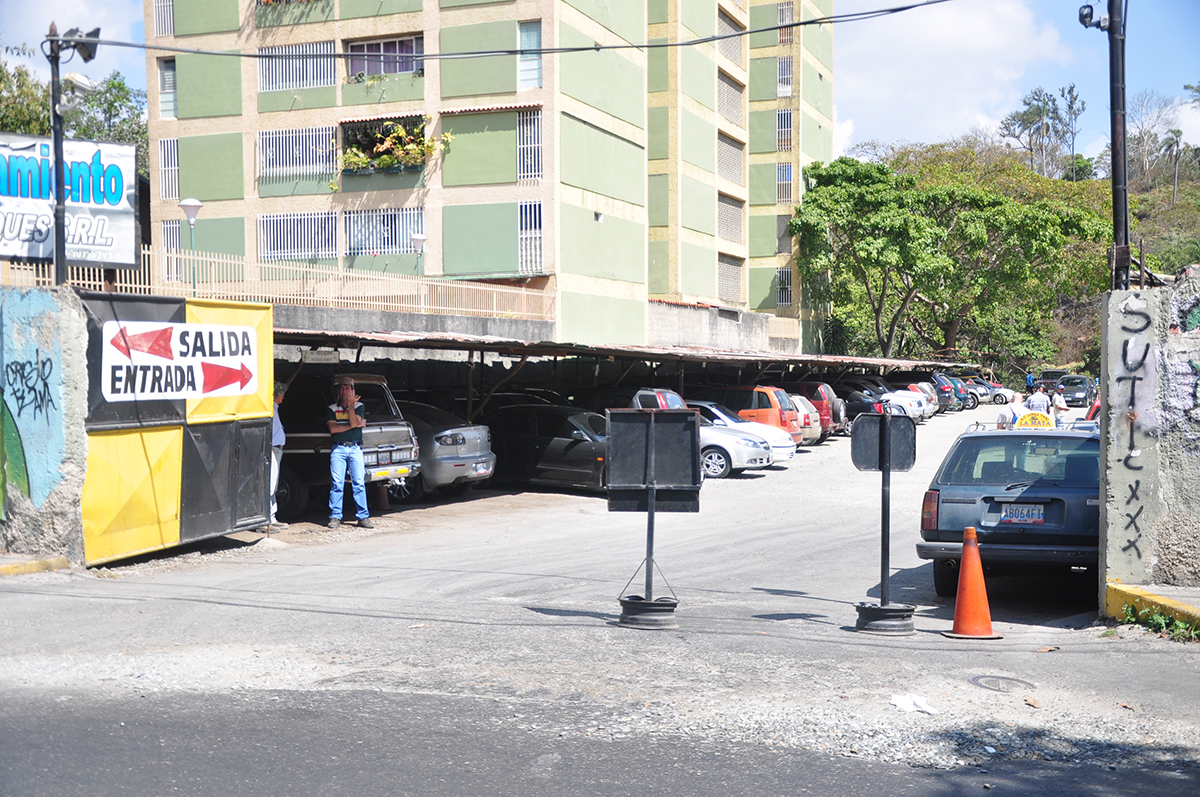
[(1094, 413), (822, 397)]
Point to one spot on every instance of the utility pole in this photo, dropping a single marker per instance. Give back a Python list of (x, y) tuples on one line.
[(56, 133), (1120, 186)]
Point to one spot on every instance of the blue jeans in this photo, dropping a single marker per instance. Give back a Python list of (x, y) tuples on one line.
[(341, 458)]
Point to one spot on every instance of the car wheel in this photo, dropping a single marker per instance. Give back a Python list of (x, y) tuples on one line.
[(972, 401), (291, 495), (849, 427), (999, 399), (407, 491), (824, 436), (715, 462), (945, 577)]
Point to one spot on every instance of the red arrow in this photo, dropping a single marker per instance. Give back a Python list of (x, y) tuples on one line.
[(157, 342), (219, 376)]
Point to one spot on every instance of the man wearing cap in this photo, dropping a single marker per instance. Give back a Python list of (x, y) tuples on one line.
[(346, 419), (1058, 406), (278, 438)]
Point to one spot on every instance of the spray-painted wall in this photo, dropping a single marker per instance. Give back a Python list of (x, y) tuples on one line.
[(43, 449), (1151, 435)]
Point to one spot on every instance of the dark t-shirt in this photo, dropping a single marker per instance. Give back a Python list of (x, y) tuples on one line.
[(335, 412)]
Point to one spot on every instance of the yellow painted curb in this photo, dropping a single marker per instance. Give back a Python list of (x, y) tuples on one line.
[(1117, 595), (35, 566)]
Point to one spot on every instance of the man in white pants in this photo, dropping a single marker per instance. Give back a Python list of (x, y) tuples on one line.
[(277, 440)]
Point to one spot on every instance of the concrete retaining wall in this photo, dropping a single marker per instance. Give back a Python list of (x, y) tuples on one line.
[(683, 325)]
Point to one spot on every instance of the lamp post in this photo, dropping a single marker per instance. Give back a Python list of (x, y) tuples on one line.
[(191, 207), (418, 241)]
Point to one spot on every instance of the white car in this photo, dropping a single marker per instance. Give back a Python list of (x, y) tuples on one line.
[(783, 448), (725, 451)]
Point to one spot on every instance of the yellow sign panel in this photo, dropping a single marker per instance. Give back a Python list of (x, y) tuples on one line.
[(1034, 420), (131, 492), (226, 318)]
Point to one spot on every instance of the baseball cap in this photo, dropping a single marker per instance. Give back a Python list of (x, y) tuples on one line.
[(346, 380)]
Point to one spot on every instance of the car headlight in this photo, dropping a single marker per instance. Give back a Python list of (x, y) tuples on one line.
[(749, 443), (450, 440)]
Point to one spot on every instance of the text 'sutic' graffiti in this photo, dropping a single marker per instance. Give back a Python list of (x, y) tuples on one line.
[(145, 360), (1134, 355)]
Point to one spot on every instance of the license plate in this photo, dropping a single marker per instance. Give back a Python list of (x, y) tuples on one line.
[(480, 469), (1022, 513)]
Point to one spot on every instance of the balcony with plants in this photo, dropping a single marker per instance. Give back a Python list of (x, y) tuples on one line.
[(388, 147)]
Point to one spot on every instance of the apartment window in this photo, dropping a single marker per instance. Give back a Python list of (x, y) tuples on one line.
[(783, 280), (164, 17), (783, 130), (784, 87), (731, 48), (166, 87), (297, 236), (783, 183), (168, 168), (529, 68), (783, 236), (382, 231), (530, 238), (294, 70), (730, 153), (386, 56), (729, 278), (786, 16), (729, 218), (292, 153), (529, 145), (729, 98), (172, 267)]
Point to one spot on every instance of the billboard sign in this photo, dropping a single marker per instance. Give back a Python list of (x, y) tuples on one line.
[(100, 193)]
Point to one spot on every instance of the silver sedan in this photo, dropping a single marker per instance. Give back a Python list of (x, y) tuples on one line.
[(455, 455)]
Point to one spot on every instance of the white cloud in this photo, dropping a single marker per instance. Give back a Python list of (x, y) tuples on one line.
[(1189, 122), (843, 132), (24, 22)]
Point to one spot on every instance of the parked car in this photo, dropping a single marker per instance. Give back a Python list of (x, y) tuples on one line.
[(727, 452), (914, 404), (821, 395), (783, 447), (455, 455), (647, 398), (1033, 497), (1078, 390), (997, 394), (968, 397), (549, 444), (1094, 413), (760, 403), (390, 445), (1048, 379), (859, 403), (810, 419)]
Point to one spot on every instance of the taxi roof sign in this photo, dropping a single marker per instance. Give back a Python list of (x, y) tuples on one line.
[(1034, 420)]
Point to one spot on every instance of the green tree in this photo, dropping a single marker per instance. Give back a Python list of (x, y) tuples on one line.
[(114, 112), (1172, 147), (24, 100), (1081, 168), (1068, 124)]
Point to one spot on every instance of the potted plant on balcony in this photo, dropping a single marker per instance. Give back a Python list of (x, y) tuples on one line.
[(355, 161), (408, 146)]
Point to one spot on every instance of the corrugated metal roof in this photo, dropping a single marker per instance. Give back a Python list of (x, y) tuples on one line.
[(490, 108)]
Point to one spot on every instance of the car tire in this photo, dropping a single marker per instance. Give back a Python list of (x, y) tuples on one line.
[(945, 577), (849, 427), (409, 491), (999, 399), (972, 401), (715, 462), (824, 436), (291, 495)]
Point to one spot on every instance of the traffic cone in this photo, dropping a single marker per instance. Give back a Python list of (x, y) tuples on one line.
[(972, 618)]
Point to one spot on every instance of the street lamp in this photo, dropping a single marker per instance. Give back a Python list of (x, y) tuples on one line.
[(418, 241), (191, 207)]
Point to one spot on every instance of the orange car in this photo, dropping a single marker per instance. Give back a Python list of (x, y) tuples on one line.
[(760, 403)]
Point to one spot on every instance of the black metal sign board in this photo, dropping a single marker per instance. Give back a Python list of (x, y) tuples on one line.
[(653, 452), (864, 443)]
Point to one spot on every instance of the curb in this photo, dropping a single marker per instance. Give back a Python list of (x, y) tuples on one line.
[(1117, 595), (35, 566)]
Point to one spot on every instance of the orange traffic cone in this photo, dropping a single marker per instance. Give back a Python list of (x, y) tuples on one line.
[(972, 618)]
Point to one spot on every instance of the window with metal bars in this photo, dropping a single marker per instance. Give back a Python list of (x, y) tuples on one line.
[(729, 278), (293, 153), (298, 236), (783, 183), (730, 154), (529, 145), (529, 66), (729, 98), (729, 218), (786, 17), (529, 238), (783, 130), (731, 48), (168, 168), (172, 268), (382, 231), (294, 70), (783, 280), (164, 17), (166, 88), (386, 56), (784, 87)]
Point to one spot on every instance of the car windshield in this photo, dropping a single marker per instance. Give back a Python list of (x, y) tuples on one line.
[(431, 415), (728, 414), (1023, 459), (1074, 381)]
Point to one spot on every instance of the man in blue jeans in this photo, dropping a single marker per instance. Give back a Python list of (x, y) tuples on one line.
[(346, 419)]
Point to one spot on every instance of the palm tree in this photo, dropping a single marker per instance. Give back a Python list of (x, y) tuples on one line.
[(1172, 147)]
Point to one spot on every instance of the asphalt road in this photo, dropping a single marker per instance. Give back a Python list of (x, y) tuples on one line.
[(471, 646)]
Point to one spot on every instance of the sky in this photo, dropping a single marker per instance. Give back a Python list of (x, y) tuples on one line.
[(926, 75)]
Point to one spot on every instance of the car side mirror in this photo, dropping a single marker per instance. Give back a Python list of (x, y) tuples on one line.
[(579, 435)]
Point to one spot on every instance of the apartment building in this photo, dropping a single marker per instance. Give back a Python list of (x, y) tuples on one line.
[(605, 177)]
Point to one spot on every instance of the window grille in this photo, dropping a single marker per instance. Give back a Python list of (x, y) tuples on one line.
[(784, 89), (729, 218), (730, 154), (164, 17), (529, 145), (530, 238), (783, 130), (172, 268), (529, 68), (168, 168), (731, 48), (383, 231), (783, 183), (386, 56), (729, 98), (784, 282), (786, 17), (166, 88), (291, 69), (290, 153), (729, 278), (298, 236)]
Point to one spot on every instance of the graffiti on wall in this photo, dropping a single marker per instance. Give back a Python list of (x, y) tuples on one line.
[(1181, 409), (1134, 417)]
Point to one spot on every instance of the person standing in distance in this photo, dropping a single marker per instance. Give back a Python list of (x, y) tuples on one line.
[(1029, 380), (346, 419), (278, 438), (1059, 407), (1039, 401)]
